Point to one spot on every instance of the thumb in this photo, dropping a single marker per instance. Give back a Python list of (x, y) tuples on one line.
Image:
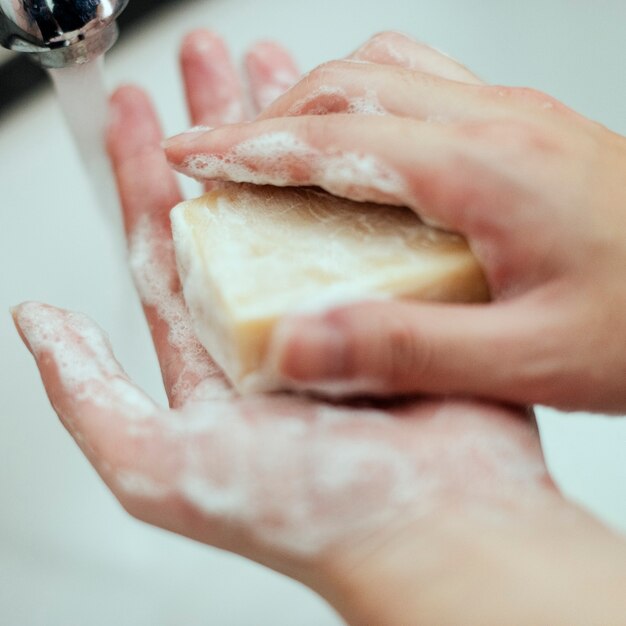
[(502, 350)]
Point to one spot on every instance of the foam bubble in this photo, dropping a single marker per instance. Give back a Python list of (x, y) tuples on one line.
[(152, 263), (302, 476), (200, 128), (332, 99), (282, 159), (135, 484), (368, 104), (320, 101), (299, 476), (87, 369)]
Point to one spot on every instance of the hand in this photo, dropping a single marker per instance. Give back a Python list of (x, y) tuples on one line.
[(537, 190)]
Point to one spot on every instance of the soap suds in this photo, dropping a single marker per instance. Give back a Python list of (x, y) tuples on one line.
[(295, 474), (133, 483), (201, 128), (337, 474), (368, 104), (330, 99), (315, 478), (281, 159), (321, 101), (151, 262), (87, 370)]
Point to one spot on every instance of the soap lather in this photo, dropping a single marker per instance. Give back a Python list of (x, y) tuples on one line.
[(60, 33)]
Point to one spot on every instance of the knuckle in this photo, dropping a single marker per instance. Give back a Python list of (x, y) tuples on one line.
[(372, 45), (529, 97), (389, 41), (325, 89), (406, 353), (382, 35), (511, 136), (528, 94), (385, 36), (539, 99), (521, 94), (352, 359), (381, 344), (312, 129), (324, 73)]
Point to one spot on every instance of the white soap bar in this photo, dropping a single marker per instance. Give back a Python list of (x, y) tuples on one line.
[(248, 255)]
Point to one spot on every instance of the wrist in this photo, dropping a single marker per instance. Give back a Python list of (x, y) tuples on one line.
[(547, 564)]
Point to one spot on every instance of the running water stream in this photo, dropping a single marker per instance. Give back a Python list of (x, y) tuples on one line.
[(83, 99)]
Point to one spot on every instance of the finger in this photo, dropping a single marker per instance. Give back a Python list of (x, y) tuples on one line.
[(213, 90), (374, 89), (271, 71), (393, 48), (459, 177), (153, 461), (212, 85), (503, 351), (147, 187), (124, 434), (87, 387), (148, 191)]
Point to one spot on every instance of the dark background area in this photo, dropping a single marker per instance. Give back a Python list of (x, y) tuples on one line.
[(19, 76)]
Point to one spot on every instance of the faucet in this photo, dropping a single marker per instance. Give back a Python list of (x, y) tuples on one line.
[(59, 33)]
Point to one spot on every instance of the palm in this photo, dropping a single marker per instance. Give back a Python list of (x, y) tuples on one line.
[(278, 478), (275, 477)]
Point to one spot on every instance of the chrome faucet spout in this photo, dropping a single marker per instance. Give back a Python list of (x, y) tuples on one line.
[(58, 33)]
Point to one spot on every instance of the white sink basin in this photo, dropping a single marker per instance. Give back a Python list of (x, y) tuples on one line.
[(68, 553)]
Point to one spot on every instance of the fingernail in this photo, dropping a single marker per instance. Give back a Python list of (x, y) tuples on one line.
[(188, 137), (309, 349)]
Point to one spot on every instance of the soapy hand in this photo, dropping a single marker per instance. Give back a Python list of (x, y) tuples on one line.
[(537, 189)]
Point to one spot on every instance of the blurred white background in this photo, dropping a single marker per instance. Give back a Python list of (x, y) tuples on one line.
[(69, 555)]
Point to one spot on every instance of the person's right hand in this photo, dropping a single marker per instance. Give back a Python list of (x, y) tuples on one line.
[(537, 189)]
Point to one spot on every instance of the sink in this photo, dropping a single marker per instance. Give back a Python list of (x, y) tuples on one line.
[(69, 553)]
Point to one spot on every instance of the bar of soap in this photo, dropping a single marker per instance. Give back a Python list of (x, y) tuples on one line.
[(248, 255)]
